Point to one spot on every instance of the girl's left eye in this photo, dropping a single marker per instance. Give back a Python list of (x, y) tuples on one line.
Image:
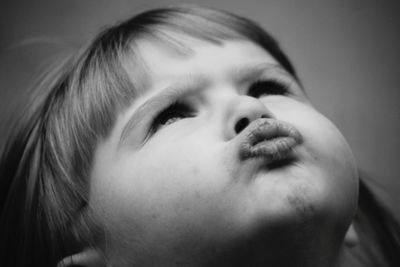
[(172, 114), (265, 88)]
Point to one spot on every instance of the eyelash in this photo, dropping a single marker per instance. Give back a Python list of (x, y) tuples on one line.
[(265, 88), (181, 110), (167, 116)]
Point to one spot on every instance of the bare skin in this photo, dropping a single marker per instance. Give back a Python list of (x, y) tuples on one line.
[(180, 194)]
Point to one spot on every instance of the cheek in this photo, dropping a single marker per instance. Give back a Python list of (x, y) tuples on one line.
[(328, 168), (170, 189), (328, 153), (322, 139)]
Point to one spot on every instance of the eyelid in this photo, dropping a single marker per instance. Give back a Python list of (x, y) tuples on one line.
[(262, 85), (176, 106), (157, 118)]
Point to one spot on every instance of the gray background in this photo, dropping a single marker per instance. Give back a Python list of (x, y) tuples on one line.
[(347, 53)]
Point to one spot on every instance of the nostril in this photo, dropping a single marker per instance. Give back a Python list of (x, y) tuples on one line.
[(264, 116), (241, 124)]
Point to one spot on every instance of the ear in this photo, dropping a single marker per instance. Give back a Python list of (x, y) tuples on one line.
[(87, 258), (351, 238)]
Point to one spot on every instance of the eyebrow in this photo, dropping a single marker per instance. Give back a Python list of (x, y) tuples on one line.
[(188, 85)]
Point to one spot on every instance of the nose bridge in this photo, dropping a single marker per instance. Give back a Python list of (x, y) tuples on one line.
[(241, 111)]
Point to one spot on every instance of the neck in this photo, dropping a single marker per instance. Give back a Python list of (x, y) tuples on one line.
[(310, 246), (285, 248)]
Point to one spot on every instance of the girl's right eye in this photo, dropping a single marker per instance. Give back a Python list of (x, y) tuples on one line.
[(172, 114)]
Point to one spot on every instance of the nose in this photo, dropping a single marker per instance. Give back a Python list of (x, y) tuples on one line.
[(241, 112)]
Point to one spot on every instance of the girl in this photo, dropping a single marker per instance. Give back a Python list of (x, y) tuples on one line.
[(183, 137)]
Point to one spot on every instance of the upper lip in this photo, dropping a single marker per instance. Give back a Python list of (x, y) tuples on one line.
[(269, 138)]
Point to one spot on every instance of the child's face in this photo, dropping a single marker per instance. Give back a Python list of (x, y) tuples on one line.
[(194, 181)]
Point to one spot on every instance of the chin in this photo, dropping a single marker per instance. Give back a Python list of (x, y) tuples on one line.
[(298, 191)]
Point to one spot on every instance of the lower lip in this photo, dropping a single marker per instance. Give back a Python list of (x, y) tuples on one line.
[(272, 150)]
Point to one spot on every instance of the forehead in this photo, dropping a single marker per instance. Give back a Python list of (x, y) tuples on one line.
[(163, 62)]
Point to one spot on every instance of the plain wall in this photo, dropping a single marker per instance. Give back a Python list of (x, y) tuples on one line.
[(346, 53)]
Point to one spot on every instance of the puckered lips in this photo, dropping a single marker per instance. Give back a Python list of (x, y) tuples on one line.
[(270, 139)]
